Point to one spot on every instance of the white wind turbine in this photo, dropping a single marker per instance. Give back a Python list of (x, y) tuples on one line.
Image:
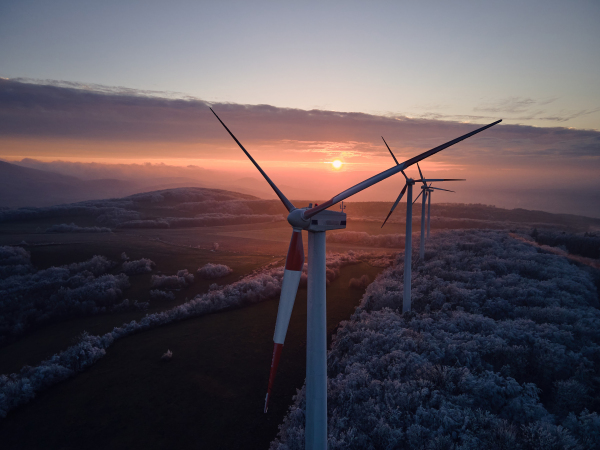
[(316, 220), (406, 297), (427, 191)]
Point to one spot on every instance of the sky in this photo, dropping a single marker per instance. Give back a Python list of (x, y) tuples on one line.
[(305, 83)]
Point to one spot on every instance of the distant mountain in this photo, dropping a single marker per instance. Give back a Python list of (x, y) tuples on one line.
[(21, 186), (25, 186)]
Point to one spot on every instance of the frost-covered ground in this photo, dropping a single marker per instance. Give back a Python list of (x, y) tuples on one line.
[(501, 350)]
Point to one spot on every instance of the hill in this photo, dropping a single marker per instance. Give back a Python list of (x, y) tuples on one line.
[(22, 186)]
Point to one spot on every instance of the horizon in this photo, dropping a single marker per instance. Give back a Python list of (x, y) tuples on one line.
[(81, 132)]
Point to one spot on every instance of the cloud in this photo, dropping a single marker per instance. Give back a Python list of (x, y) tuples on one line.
[(511, 105), (72, 111)]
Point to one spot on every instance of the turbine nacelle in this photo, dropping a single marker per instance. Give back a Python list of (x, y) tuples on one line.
[(325, 220)]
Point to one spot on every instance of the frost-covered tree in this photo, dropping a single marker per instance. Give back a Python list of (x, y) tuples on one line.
[(211, 271), (19, 388), (138, 266), (30, 297), (501, 350), (182, 279)]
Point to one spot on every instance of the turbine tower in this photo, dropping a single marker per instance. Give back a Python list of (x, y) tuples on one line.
[(316, 220), (426, 192), (430, 190), (408, 186)]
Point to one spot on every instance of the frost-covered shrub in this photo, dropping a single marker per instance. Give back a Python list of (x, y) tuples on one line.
[(19, 388), (157, 294), (359, 283), (501, 350), (138, 266), (211, 271), (14, 261), (97, 265), (182, 279), (72, 228), (167, 356), (29, 298), (128, 305)]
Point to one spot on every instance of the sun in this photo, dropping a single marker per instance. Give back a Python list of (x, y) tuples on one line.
[(337, 164)]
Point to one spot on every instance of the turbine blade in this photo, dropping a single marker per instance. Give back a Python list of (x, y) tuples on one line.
[(397, 163), (440, 189), (389, 172), (442, 179), (289, 287), (417, 196), (395, 204), (421, 173), (282, 197), (388, 147)]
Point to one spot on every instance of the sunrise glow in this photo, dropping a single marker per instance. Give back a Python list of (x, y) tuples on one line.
[(336, 164)]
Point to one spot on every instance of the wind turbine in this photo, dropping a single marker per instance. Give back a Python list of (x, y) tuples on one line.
[(316, 220), (426, 192), (408, 186), (430, 190)]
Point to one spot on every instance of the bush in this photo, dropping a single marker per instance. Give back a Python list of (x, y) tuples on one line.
[(30, 297), (138, 266), (212, 271), (182, 279), (359, 283), (157, 294)]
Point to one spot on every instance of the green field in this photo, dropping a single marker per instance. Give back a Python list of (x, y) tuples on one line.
[(211, 394)]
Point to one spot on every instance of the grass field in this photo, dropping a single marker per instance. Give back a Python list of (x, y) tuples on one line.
[(216, 381), (209, 396), (169, 258)]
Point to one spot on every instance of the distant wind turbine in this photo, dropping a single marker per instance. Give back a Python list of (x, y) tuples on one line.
[(406, 297), (426, 192), (316, 220)]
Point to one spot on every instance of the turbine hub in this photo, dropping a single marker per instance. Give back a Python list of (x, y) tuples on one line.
[(296, 219)]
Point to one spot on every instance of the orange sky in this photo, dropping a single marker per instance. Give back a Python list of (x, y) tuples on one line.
[(508, 165)]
